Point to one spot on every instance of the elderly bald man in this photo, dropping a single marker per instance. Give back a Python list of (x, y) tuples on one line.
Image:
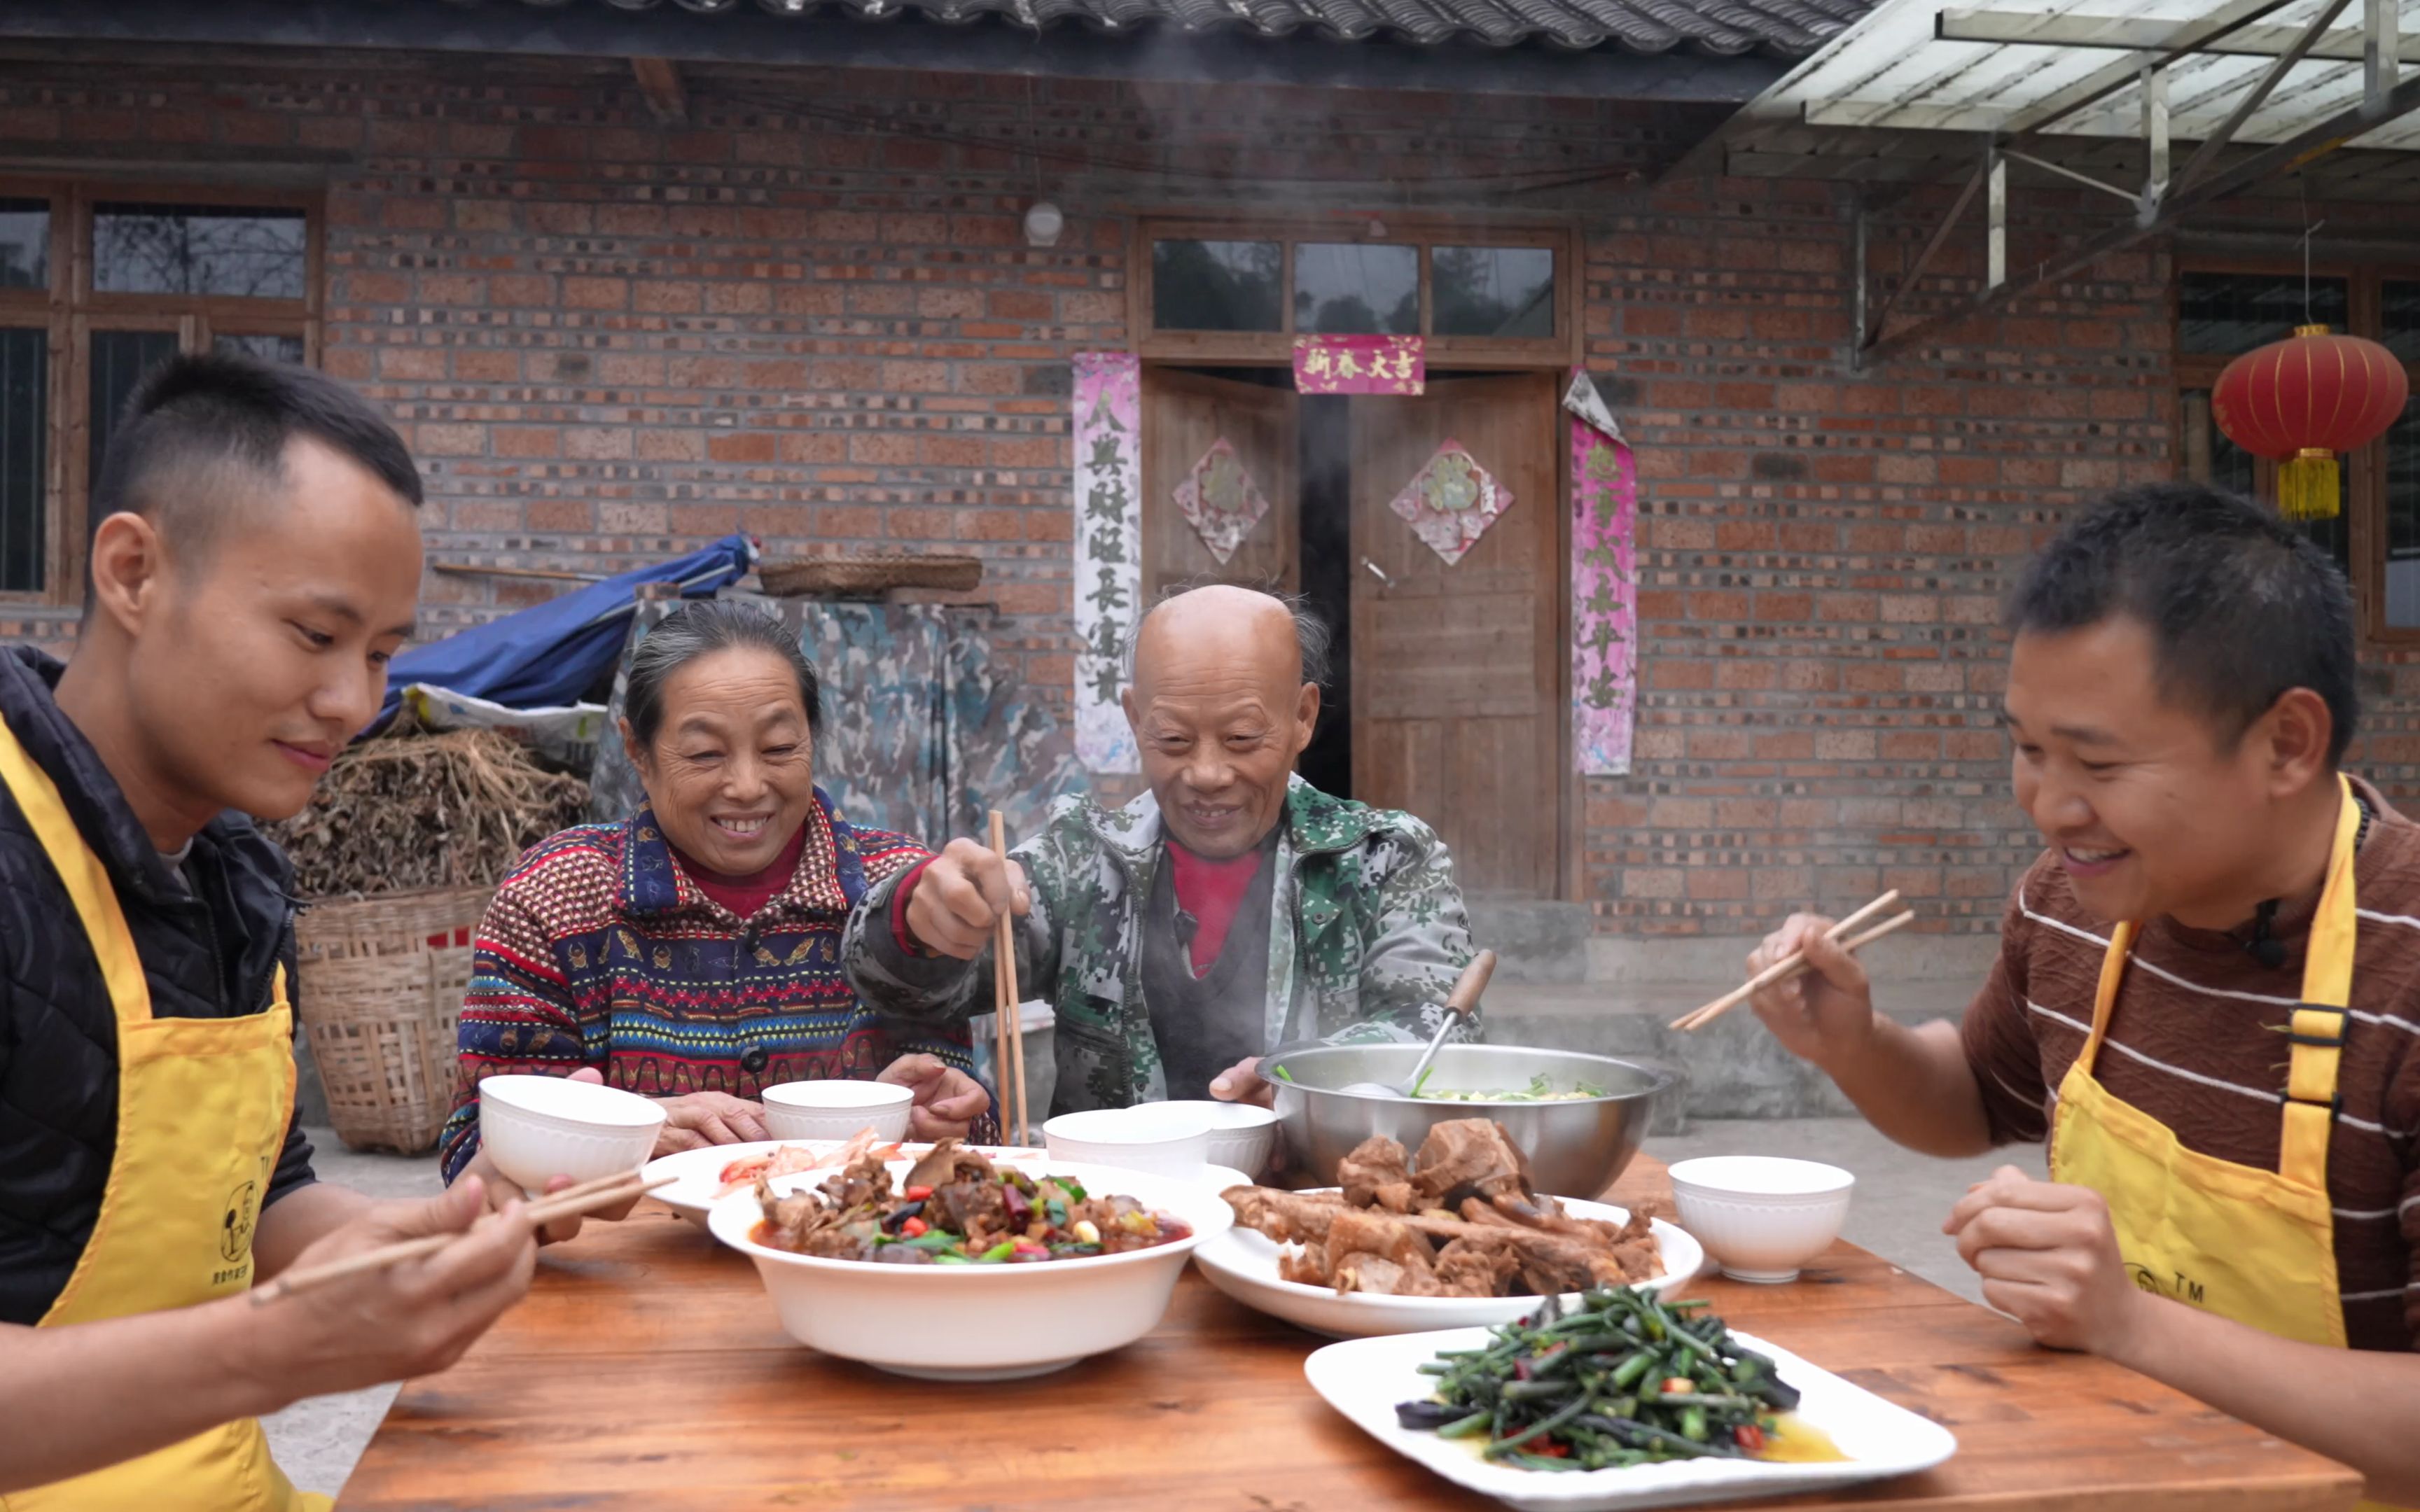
[(1232, 908)]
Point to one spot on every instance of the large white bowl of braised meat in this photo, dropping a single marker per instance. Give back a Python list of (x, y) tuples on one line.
[(952, 1267), (1453, 1236)]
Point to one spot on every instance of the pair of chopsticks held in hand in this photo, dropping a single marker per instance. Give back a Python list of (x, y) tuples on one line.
[(1008, 1028), (571, 1202), (1795, 964)]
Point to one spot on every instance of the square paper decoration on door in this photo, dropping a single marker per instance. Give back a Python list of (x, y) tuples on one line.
[(1452, 501), (1221, 500)]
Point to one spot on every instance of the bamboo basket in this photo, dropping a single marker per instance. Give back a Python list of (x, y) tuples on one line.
[(381, 984), (868, 577)]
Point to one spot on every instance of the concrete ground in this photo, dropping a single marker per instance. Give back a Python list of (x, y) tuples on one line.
[(1896, 1213)]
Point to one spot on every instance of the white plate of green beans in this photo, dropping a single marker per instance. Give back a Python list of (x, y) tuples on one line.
[(1619, 1399)]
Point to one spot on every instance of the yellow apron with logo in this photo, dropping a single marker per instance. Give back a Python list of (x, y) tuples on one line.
[(2254, 1245), (202, 1112)]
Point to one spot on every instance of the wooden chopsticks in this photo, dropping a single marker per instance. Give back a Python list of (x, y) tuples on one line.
[(1009, 1047), (572, 1201), (1796, 963)]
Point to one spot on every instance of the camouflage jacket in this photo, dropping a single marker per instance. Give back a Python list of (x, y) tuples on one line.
[(1367, 936)]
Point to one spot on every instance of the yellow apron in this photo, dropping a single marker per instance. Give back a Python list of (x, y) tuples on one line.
[(2254, 1245), (201, 1111)]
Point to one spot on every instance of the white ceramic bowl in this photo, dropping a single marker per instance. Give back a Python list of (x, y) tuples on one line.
[(836, 1109), (535, 1128), (980, 1322), (1156, 1138), (1242, 1135), (1762, 1217)]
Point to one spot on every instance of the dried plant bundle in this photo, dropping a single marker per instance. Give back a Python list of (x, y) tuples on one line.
[(423, 810)]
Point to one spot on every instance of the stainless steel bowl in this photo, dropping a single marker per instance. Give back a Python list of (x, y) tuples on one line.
[(1576, 1148)]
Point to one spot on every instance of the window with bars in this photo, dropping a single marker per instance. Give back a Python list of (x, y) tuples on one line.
[(97, 287), (2221, 315)]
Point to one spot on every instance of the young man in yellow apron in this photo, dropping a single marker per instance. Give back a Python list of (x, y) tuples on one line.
[(258, 566), (2205, 997)]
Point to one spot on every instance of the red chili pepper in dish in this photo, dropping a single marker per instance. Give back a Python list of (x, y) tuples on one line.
[(915, 1228), (1750, 1436), (918, 1193)]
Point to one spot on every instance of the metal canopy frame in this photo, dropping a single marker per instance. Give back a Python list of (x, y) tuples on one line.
[(2269, 162), (2134, 34), (2059, 119)]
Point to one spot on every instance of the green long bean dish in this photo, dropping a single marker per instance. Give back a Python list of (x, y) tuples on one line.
[(1621, 1379)]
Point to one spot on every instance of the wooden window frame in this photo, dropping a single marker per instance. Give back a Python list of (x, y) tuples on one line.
[(1275, 348), (2365, 472), (69, 310)]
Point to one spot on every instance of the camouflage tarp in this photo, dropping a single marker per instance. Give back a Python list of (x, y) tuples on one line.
[(922, 736)]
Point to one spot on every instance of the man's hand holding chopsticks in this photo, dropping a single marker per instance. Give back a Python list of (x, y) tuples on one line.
[(412, 1319), (960, 897), (1825, 1014), (1912, 1082)]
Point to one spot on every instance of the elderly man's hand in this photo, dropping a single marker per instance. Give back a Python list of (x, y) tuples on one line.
[(961, 898), (2048, 1258), (948, 1101), (1241, 1083)]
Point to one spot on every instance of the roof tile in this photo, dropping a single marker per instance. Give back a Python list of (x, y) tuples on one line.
[(1782, 28)]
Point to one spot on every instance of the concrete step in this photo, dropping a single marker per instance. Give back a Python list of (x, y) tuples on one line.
[(1533, 941)]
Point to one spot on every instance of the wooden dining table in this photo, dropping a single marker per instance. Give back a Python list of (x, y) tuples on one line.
[(646, 1370)]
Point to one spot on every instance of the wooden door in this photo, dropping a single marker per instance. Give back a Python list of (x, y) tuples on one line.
[(1184, 416), (1458, 670)]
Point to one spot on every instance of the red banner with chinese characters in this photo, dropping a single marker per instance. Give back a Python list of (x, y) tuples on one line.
[(1359, 364)]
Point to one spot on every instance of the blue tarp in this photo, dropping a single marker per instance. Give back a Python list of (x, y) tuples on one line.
[(553, 653)]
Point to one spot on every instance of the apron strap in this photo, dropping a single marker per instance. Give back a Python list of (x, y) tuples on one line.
[(2104, 997), (2318, 1027), (86, 879)]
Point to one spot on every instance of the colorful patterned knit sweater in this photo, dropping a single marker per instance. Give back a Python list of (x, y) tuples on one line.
[(600, 950)]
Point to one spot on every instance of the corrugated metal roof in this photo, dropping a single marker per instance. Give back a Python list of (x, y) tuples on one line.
[(1725, 28), (1893, 72)]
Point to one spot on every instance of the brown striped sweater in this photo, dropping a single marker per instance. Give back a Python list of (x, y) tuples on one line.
[(2197, 1040)]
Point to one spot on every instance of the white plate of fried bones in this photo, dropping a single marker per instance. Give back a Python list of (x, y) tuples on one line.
[(1249, 1266)]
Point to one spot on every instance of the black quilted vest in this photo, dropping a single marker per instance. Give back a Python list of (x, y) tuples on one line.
[(206, 955)]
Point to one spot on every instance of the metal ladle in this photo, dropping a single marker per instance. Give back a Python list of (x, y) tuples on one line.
[(1458, 1005)]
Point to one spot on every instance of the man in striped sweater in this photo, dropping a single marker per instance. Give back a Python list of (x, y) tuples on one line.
[(2204, 1000)]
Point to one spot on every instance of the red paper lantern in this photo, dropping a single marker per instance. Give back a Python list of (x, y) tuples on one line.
[(2300, 401)]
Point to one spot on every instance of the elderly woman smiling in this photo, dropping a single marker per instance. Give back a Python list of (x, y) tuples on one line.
[(691, 952)]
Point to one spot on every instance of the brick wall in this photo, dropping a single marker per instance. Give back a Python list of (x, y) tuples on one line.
[(809, 314), (1823, 555)]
